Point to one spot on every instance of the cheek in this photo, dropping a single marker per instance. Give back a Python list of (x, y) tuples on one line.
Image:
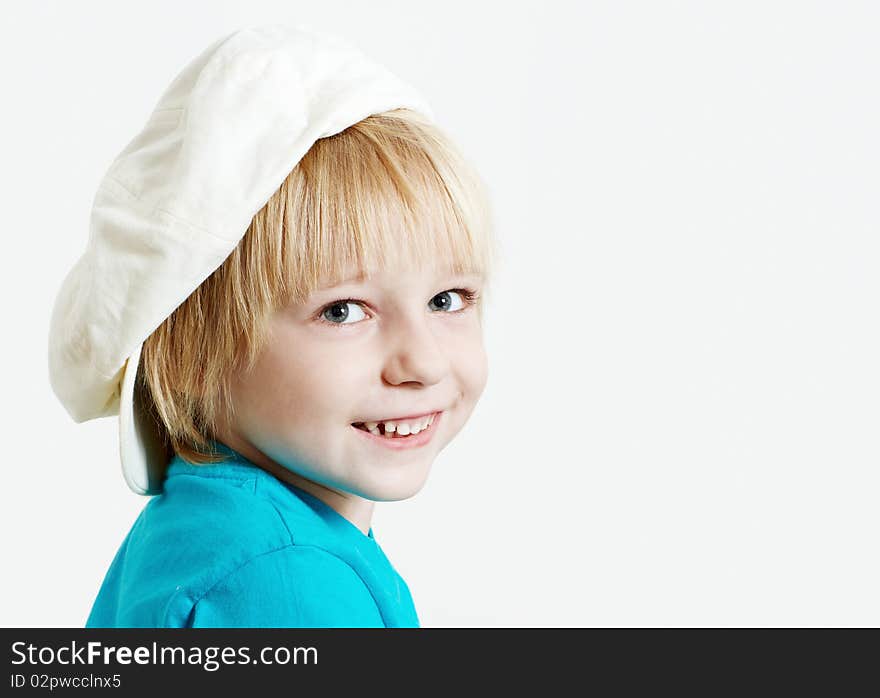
[(311, 384), (473, 367)]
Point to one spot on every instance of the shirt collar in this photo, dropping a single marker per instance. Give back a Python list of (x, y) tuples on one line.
[(235, 460)]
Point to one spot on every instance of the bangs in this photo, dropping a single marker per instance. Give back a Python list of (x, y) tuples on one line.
[(386, 193)]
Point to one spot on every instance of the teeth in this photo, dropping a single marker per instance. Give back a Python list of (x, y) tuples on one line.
[(400, 428)]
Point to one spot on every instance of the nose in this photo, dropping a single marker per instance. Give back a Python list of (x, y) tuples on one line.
[(415, 354)]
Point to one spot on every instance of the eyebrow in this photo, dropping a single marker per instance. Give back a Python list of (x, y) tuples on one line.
[(361, 277), (328, 284)]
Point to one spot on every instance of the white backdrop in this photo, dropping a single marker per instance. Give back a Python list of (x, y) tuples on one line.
[(681, 420)]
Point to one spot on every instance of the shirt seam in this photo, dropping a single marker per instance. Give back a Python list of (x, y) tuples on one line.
[(216, 476), (276, 510), (239, 478)]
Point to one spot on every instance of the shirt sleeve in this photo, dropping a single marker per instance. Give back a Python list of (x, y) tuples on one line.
[(292, 587)]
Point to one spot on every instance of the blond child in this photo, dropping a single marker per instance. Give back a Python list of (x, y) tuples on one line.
[(282, 299)]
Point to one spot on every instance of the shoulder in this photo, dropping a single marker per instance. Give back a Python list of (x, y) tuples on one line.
[(293, 586), (232, 547), (215, 517), (205, 524), (231, 535)]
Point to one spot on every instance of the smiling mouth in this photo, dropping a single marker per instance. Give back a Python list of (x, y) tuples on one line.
[(393, 441), (380, 430)]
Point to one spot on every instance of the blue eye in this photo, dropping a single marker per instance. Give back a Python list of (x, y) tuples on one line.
[(337, 313), (443, 299)]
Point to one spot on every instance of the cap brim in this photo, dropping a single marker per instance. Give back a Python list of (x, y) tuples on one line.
[(141, 448)]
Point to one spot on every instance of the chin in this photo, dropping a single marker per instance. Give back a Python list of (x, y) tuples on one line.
[(391, 490)]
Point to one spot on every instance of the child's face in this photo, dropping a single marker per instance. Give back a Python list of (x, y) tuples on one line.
[(407, 349)]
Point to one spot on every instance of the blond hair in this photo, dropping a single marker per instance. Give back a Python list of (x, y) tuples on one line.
[(389, 190)]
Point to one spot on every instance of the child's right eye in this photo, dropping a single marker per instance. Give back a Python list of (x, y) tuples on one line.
[(337, 313)]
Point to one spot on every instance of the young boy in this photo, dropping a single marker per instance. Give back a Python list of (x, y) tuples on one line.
[(282, 298)]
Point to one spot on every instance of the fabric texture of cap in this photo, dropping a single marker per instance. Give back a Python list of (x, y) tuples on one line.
[(178, 199)]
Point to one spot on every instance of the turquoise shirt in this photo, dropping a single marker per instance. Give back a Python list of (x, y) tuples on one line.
[(230, 545)]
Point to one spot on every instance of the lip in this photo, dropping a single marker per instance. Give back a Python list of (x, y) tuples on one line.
[(400, 419), (395, 443)]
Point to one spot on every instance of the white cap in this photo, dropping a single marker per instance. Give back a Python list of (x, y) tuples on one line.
[(178, 199)]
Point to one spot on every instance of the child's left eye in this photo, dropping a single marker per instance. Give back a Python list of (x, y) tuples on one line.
[(467, 296), (336, 313)]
